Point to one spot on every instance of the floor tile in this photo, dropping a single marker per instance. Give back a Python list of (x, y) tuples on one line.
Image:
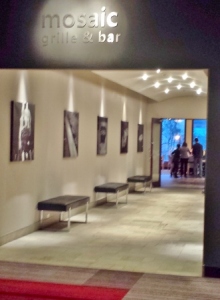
[(156, 232), (114, 279)]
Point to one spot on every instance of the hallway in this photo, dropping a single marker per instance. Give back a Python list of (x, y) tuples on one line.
[(157, 232)]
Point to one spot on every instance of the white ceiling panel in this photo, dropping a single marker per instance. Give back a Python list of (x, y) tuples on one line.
[(163, 85)]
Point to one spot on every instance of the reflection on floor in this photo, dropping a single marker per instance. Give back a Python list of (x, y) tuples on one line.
[(181, 182), (157, 232)]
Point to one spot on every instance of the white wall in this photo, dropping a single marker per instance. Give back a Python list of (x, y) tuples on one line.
[(181, 108), (23, 184)]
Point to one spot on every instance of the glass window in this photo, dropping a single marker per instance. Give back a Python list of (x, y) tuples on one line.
[(200, 131), (173, 133)]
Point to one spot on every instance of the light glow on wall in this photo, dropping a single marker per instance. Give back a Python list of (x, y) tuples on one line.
[(102, 104), (124, 111), (140, 115), (22, 87), (71, 100)]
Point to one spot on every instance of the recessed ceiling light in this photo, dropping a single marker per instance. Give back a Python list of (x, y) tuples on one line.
[(184, 76), (166, 91), (179, 86), (158, 71), (199, 91), (145, 76), (192, 84), (170, 79), (157, 84)]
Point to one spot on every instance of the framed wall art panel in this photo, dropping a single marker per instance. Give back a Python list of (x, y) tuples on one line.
[(140, 138), (124, 137), (102, 130), (22, 131), (71, 134)]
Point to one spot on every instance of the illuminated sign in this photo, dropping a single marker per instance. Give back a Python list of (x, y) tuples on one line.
[(69, 21), (76, 32)]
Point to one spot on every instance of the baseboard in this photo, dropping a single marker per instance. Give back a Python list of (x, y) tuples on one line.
[(50, 219), (213, 272), (18, 234)]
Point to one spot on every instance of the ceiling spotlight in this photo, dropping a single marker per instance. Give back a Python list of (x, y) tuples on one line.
[(157, 84), (184, 76), (179, 86), (170, 79), (192, 84), (145, 76), (199, 91), (166, 91), (158, 71)]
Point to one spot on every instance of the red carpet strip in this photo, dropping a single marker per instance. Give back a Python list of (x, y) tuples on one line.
[(28, 290)]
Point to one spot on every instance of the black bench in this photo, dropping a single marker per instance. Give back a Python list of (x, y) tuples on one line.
[(141, 179), (63, 204), (113, 188)]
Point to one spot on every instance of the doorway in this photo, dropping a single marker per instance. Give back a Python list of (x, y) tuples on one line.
[(179, 131)]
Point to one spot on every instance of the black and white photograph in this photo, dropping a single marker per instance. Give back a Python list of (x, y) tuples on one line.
[(22, 131), (102, 135), (140, 138), (71, 134), (124, 136)]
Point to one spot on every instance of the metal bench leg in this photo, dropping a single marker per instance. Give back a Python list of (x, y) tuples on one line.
[(145, 187), (69, 216), (117, 199), (151, 186), (41, 217), (87, 208)]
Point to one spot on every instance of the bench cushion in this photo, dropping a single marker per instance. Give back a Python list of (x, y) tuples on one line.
[(140, 178), (62, 203), (111, 187)]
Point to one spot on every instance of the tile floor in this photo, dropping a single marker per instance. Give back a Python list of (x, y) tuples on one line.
[(157, 232)]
